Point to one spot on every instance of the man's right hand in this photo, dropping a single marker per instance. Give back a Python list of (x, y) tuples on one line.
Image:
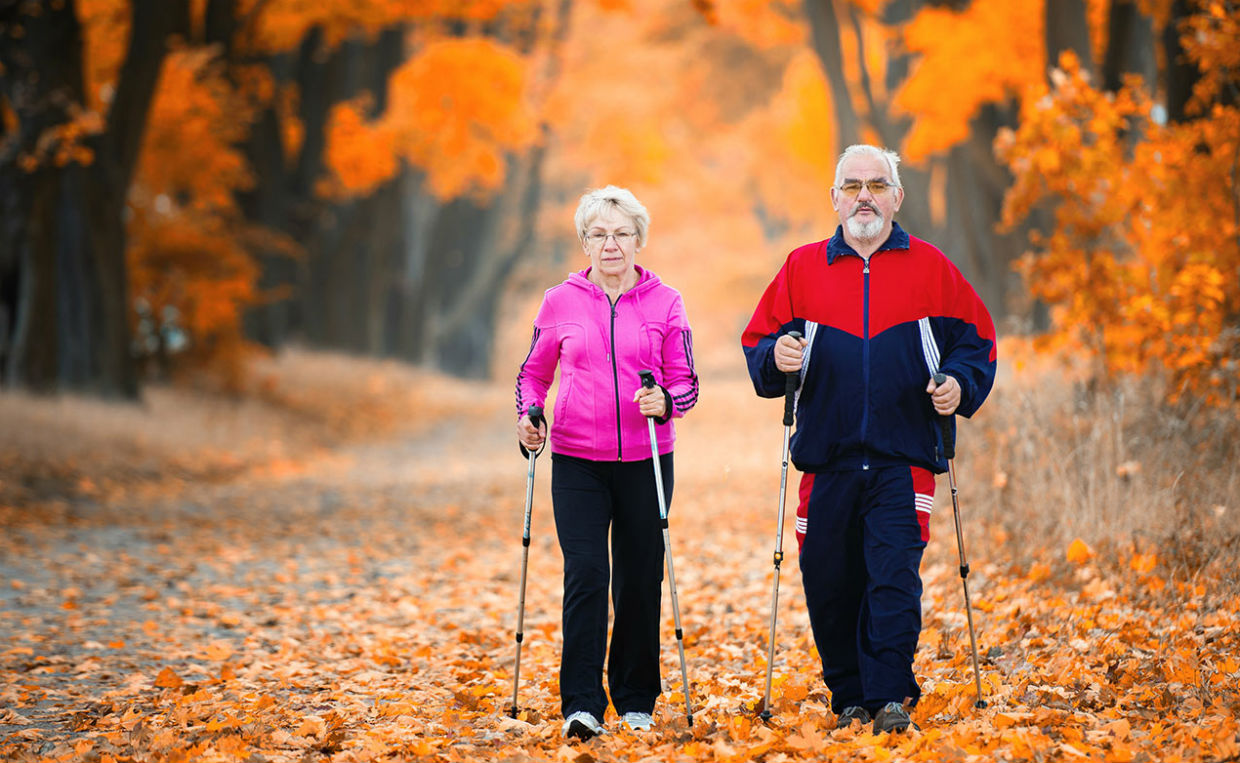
[(789, 353)]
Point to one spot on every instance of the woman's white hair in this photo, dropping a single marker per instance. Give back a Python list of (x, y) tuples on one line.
[(863, 149), (601, 200)]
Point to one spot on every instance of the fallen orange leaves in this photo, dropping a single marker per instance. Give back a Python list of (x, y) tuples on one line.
[(1078, 552), (168, 679), (362, 607)]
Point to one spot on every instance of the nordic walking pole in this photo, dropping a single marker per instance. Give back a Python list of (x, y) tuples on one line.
[(791, 381), (536, 418), (949, 450), (648, 382)]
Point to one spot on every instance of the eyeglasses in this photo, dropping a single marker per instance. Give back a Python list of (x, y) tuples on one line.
[(852, 187), (622, 237)]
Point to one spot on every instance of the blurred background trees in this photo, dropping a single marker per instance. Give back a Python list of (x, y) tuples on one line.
[(185, 182)]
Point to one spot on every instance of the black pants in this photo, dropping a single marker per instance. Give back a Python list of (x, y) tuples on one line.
[(591, 497)]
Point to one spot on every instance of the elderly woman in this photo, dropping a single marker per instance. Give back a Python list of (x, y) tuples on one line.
[(602, 326)]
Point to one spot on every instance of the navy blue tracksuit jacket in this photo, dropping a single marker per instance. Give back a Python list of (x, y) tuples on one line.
[(868, 438)]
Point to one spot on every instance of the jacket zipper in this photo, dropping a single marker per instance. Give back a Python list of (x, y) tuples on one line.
[(615, 377), (865, 363)]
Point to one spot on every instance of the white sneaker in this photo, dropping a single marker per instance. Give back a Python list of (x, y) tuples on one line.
[(638, 721), (582, 725)]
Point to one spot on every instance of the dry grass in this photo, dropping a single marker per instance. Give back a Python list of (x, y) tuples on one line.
[(54, 450), (1049, 460)]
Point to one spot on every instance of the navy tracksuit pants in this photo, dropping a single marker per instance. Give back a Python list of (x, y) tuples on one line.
[(861, 535), (591, 499)]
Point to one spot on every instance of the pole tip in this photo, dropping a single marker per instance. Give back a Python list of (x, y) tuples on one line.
[(980, 704), (765, 715)]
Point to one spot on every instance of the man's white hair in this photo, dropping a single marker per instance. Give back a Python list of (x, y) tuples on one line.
[(601, 200), (864, 149)]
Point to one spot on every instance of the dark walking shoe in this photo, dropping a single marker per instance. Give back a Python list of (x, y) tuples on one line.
[(893, 717), (852, 713)]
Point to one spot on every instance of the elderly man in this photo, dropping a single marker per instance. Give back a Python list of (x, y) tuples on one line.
[(880, 313)]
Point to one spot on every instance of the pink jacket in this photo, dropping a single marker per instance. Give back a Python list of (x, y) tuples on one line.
[(578, 329)]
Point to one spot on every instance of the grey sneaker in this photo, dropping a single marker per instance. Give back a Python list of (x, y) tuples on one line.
[(582, 725), (638, 721), (852, 713), (893, 717)]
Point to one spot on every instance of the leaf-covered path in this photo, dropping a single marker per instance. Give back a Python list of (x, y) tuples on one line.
[(359, 604)]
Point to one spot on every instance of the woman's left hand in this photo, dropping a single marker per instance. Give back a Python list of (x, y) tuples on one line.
[(652, 401)]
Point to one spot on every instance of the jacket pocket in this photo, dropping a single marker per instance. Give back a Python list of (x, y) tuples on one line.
[(562, 398), (651, 346)]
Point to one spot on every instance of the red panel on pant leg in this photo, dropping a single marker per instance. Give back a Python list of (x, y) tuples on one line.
[(923, 497), (807, 487)]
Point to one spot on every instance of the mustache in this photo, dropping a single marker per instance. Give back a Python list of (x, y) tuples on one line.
[(866, 205)]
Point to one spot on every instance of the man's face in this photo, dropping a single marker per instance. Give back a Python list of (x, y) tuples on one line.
[(866, 214)]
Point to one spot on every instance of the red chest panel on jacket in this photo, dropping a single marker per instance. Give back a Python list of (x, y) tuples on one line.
[(902, 288)]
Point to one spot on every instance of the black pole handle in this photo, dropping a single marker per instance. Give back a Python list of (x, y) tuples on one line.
[(535, 412), (945, 425), (647, 378), (791, 381)]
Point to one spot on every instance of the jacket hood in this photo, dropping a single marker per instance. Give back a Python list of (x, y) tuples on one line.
[(646, 281)]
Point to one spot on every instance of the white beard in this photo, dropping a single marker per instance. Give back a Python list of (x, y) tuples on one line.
[(866, 231)]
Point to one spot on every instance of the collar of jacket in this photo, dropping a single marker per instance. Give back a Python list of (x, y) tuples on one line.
[(645, 280), (837, 246)]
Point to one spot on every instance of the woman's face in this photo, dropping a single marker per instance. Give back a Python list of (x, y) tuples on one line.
[(611, 251)]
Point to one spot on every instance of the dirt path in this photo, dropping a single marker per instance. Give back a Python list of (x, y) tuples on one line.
[(359, 604)]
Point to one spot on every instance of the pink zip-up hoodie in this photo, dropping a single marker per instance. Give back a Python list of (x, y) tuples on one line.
[(600, 348)]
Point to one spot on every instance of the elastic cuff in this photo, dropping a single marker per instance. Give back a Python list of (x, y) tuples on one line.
[(667, 398)]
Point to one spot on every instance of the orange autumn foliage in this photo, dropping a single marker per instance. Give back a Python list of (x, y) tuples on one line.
[(984, 53), (1003, 46), (455, 110), (282, 24), (1140, 267), (361, 156), (792, 176), (763, 23), (190, 268), (105, 34)]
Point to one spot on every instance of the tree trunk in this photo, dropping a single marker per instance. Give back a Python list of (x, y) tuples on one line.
[(1067, 28), (1182, 73), (1130, 46), (915, 212), (824, 27), (464, 339), (975, 201), (348, 250), (41, 72), (420, 211), (72, 324), (275, 320)]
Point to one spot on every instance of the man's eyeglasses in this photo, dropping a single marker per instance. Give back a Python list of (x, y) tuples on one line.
[(622, 237), (877, 186)]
